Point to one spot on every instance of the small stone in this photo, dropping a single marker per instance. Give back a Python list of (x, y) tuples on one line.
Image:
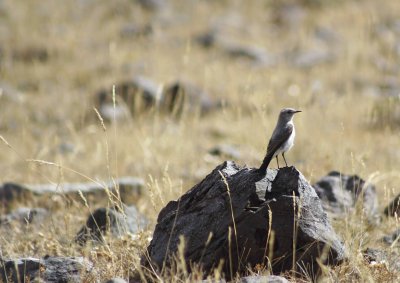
[(183, 95), (118, 223), (311, 58), (25, 215), (225, 150), (49, 269)]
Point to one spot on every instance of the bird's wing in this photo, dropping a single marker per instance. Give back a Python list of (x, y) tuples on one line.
[(278, 139)]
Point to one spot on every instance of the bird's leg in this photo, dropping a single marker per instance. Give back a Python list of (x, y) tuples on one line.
[(277, 161), (283, 155)]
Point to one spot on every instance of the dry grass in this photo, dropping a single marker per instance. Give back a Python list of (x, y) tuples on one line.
[(86, 52)]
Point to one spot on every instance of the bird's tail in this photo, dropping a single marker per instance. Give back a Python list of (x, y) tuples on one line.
[(267, 159)]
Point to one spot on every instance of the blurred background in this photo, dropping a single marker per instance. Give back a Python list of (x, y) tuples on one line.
[(195, 83)]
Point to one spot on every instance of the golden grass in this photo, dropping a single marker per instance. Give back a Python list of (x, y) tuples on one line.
[(86, 53)]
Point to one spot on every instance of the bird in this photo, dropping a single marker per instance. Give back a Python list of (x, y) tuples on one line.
[(282, 138)]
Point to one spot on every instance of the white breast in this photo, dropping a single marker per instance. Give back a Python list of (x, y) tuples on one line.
[(288, 144)]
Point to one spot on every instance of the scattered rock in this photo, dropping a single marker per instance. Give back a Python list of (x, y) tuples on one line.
[(390, 239), (326, 35), (394, 207), (153, 5), (340, 193), (254, 54), (183, 95), (264, 279), (281, 200), (129, 189), (48, 269), (311, 58), (390, 259), (134, 30), (10, 93), (144, 94), (131, 97), (288, 14), (31, 54), (25, 215), (118, 223), (225, 150)]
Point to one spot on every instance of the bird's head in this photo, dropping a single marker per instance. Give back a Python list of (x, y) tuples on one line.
[(287, 114)]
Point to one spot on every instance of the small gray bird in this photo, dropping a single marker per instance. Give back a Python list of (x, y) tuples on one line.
[(282, 138)]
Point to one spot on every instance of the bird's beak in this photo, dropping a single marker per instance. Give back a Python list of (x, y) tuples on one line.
[(297, 111)]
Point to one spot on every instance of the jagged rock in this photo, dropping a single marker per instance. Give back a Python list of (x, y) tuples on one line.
[(105, 220), (225, 150), (282, 200), (340, 193), (129, 189), (264, 279), (389, 239), (394, 207), (25, 215), (48, 269), (182, 95), (390, 259)]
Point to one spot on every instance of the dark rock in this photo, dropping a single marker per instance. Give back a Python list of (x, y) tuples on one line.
[(129, 189), (390, 239), (340, 193), (394, 207), (182, 95), (225, 150), (105, 220), (390, 259), (48, 269), (207, 39), (264, 279), (25, 215), (282, 200)]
